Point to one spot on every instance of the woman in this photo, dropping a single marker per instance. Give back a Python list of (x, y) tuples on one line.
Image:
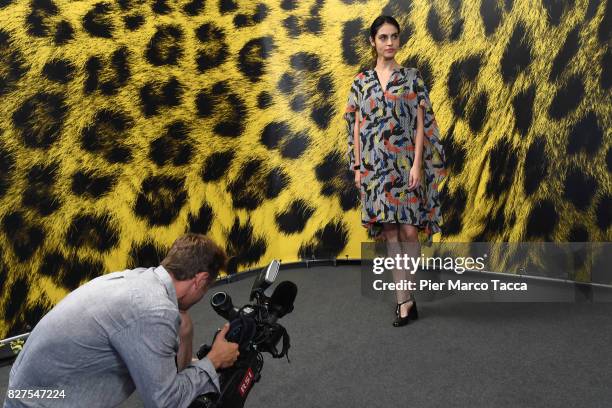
[(396, 154)]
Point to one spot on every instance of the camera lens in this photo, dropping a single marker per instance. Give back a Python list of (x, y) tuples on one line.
[(218, 299), (221, 303)]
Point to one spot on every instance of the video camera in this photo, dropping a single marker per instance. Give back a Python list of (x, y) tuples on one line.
[(255, 329)]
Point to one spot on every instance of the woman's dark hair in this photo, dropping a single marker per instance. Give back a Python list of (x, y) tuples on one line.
[(376, 24), (380, 20)]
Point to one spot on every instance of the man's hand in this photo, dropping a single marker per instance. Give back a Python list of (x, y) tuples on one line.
[(223, 354)]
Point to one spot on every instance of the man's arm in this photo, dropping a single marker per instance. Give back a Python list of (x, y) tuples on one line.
[(185, 351), (148, 348)]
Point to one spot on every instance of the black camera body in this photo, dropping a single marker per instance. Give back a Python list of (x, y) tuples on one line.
[(236, 383), (255, 329)]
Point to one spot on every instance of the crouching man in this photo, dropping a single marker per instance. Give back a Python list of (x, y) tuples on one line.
[(124, 331)]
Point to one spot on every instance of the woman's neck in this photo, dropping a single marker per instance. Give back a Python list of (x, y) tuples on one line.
[(385, 65)]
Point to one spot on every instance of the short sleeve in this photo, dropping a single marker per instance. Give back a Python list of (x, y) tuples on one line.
[(354, 99), (352, 107), (434, 159), (421, 90)]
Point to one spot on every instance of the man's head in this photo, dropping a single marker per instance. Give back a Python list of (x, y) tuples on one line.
[(193, 261)]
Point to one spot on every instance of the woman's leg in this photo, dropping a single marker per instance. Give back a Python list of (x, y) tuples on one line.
[(409, 239), (392, 236)]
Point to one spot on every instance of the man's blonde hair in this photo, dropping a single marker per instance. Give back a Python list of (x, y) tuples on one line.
[(193, 253)]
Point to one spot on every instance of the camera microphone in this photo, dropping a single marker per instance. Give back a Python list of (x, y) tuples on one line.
[(281, 301)]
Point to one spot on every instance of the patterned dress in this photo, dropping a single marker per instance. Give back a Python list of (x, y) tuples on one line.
[(387, 135)]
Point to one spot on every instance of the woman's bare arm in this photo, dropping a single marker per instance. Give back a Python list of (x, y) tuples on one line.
[(415, 171), (420, 136)]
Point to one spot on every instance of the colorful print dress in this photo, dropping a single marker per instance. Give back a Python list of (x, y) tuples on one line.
[(387, 135)]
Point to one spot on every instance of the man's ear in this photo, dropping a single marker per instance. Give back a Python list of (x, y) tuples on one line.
[(201, 278)]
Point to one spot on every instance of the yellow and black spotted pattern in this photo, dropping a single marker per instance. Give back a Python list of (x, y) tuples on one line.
[(124, 123)]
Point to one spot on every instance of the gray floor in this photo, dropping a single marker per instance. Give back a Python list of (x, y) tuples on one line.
[(345, 353)]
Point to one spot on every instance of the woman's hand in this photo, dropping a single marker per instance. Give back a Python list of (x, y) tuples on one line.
[(414, 179), (358, 179)]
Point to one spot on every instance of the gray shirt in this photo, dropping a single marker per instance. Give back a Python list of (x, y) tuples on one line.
[(116, 333)]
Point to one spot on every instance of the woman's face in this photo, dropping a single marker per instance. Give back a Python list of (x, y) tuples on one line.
[(386, 41)]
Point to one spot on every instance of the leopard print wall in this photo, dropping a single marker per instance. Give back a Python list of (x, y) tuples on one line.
[(126, 123)]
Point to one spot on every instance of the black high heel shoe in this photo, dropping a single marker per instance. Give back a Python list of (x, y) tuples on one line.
[(413, 314)]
